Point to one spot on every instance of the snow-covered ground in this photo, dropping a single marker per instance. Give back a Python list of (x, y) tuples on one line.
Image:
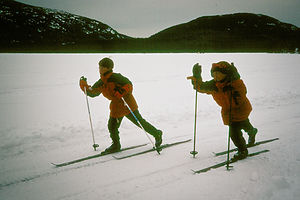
[(44, 119)]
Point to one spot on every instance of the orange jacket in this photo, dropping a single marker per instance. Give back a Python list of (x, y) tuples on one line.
[(241, 106), (108, 85)]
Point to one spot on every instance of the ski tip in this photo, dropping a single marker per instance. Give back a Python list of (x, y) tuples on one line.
[(55, 165), (264, 151), (58, 165), (117, 158), (200, 171)]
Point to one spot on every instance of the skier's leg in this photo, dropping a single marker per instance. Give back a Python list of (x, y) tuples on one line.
[(149, 128), (247, 126), (113, 127), (238, 140)]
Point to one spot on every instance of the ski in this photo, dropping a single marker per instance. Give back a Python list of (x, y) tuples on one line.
[(249, 146), (225, 162), (94, 156), (150, 150)]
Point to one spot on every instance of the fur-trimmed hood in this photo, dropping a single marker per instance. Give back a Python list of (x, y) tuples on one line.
[(229, 69)]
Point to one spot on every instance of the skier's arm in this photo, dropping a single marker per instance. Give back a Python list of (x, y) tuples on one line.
[(203, 87), (207, 87), (239, 92), (123, 85), (122, 91), (92, 91)]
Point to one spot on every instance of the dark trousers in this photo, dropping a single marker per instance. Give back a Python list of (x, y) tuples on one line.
[(236, 133), (114, 124)]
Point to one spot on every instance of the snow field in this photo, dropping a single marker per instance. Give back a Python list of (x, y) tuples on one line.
[(44, 119)]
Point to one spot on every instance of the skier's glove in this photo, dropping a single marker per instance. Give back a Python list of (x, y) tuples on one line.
[(196, 78), (83, 84), (197, 70), (119, 92)]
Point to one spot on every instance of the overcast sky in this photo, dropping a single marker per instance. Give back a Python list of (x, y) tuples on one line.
[(143, 18)]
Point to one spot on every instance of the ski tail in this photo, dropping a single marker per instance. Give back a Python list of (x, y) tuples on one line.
[(94, 156)]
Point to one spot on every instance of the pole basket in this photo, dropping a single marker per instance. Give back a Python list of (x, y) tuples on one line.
[(194, 153), (95, 146), (229, 167)]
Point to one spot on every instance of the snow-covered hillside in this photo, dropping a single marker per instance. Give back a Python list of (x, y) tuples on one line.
[(25, 24), (44, 119)]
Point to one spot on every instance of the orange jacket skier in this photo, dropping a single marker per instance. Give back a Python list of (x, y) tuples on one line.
[(229, 92), (115, 88)]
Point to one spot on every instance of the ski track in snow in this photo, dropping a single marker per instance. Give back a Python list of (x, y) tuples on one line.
[(44, 119)]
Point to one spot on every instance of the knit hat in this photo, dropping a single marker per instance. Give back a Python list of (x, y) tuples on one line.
[(225, 68), (106, 62)]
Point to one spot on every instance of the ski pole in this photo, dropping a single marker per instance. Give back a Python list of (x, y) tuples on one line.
[(194, 152), (197, 74), (140, 125), (230, 122), (88, 107)]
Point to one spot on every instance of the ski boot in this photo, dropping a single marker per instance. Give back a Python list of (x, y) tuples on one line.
[(252, 134), (114, 147), (158, 139), (240, 155)]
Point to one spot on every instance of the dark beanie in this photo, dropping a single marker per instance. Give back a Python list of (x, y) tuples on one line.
[(106, 62)]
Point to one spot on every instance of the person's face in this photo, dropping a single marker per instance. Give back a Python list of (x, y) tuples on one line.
[(218, 76), (103, 70)]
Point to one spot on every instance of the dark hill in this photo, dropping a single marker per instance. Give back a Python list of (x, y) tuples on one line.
[(26, 28), (233, 32)]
